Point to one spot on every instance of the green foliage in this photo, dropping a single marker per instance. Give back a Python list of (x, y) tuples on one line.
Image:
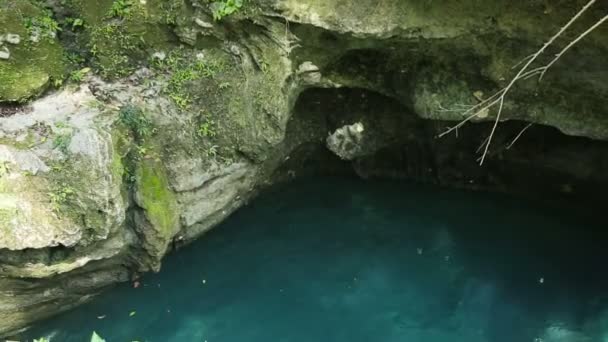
[(182, 70), (77, 76), (170, 10), (137, 122), (115, 50), (121, 9), (61, 196), (74, 23), (206, 129), (42, 26), (224, 8), (62, 142), (32, 63), (211, 152)]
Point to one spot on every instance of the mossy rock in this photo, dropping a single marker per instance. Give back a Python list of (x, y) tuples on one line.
[(119, 43), (159, 203), (32, 65)]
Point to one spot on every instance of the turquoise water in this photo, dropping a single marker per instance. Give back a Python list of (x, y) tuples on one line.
[(346, 260)]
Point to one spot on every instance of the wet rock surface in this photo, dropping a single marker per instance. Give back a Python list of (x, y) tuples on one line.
[(104, 176)]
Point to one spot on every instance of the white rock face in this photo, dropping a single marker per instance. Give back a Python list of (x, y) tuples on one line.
[(347, 141), (50, 195), (4, 52), (12, 38)]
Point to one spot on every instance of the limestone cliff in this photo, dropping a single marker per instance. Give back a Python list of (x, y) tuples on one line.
[(128, 128)]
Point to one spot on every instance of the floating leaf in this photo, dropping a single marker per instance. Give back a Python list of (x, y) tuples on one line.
[(132, 313), (96, 338)]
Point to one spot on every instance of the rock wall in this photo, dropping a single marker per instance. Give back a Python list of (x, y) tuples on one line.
[(128, 129)]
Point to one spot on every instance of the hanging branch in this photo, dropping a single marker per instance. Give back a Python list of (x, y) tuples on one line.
[(498, 98), (519, 135)]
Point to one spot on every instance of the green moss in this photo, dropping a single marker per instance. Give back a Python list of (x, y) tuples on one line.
[(121, 34), (116, 51), (93, 12), (6, 215), (30, 140), (31, 65), (156, 198), (183, 69), (117, 167)]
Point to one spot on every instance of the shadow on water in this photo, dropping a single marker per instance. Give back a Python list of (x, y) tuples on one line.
[(346, 260)]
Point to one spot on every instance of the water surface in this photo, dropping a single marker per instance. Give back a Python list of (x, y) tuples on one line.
[(347, 260)]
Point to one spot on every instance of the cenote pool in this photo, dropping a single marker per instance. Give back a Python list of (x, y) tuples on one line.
[(347, 260)]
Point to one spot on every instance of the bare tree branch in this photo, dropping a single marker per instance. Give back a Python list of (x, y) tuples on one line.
[(523, 73)]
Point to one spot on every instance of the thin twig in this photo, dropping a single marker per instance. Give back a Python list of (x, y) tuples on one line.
[(523, 73), (486, 104), (522, 61), (482, 145), (572, 43), (519, 135), (485, 151)]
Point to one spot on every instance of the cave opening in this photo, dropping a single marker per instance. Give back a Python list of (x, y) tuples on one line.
[(531, 160)]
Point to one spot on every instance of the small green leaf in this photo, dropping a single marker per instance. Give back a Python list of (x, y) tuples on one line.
[(132, 313)]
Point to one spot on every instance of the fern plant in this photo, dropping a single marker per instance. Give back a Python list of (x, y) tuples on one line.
[(224, 8)]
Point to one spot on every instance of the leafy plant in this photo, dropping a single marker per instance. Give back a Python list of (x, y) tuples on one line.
[(74, 23), (212, 151), (115, 50), (61, 196), (78, 75), (135, 119), (57, 82), (206, 129), (224, 8), (183, 70), (62, 142), (121, 8), (170, 9), (42, 26)]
